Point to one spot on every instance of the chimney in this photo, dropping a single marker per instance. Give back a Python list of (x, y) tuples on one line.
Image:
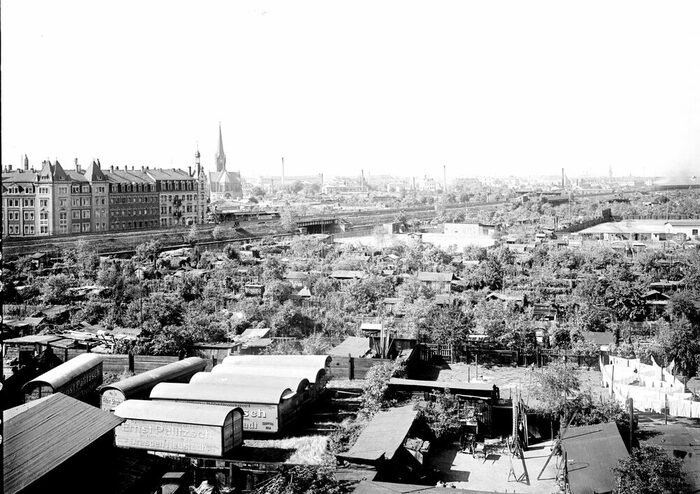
[(117, 167), (444, 178), (77, 165), (26, 163), (563, 182), (9, 168), (189, 169), (283, 172), (111, 168)]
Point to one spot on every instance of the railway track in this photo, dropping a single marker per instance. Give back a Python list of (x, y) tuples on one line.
[(110, 243)]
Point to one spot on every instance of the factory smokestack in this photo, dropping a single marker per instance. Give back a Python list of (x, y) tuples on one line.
[(362, 179), (283, 172), (563, 180), (444, 178)]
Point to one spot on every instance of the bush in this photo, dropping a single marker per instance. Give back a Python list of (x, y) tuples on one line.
[(649, 470), (442, 416)]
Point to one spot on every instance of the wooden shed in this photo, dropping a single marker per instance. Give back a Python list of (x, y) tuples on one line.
[(183, 428), (78, 378), (265, 409), (140, 385)]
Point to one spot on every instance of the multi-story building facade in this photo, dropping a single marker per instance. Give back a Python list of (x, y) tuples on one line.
[(55, 201), (179, 196), (133, 199)]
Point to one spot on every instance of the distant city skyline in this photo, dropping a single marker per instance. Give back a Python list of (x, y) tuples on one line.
[(399, 88)]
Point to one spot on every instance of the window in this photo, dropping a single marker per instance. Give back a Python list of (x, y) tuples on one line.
[(44, 229), (86, 213), (101, 189), (29, 203), (75, 202), (86, 227), (63, 190), (43, 216), (62, 202), (86, 189), (86, 201), (43, 190), (75, 215), (43, 203), (76, 190), (695, 231), (28, 215)]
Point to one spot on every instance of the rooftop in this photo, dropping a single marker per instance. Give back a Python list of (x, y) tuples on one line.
[(40, 437)]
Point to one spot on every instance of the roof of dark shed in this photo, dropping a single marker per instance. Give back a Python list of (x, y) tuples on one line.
[(41, 437), (383, 436), (592, 450)]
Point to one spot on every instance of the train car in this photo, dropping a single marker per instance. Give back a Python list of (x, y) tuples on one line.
[(265, 409), (319, 361), (183, 428), (317, 377), (315, 368), (79, 378), (300, 385), (140, 385)]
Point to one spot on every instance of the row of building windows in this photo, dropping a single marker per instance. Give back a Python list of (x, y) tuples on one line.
[(125, 200), (133, 212)]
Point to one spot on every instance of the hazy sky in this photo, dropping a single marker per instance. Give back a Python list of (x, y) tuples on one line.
[(484, 87)]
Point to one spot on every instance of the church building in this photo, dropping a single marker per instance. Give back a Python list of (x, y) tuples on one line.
[(223, 185)]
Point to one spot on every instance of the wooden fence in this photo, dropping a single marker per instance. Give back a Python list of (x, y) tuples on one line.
[(352, 367), (119, 363), (512, 358)]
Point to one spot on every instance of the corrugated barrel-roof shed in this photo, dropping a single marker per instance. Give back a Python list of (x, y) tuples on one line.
[(592, 450), (383, 436), (41, 437)]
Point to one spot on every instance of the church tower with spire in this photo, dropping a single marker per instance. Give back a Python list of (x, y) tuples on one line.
[(223, 185), (220, 155)]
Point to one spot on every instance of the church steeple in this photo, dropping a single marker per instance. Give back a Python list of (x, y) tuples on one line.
[(220, 156)]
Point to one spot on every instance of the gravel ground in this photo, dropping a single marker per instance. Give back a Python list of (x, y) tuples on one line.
[(510, 380)]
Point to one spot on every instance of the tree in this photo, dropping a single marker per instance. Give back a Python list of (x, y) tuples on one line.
[(218, 233), (288, 221), (680, 342), (555, 383), (367, 293), (87, 260), (148, 251), (258, 192), (650, 470), (192, 236), (55, 288)]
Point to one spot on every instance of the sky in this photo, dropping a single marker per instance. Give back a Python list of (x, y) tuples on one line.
[(389, 87)]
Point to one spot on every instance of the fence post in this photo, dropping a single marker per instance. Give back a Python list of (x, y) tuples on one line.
[(131, 362), (538, 357), (351, 361)]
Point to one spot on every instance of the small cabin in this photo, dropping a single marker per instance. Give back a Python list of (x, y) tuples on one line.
[(183, 428)]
